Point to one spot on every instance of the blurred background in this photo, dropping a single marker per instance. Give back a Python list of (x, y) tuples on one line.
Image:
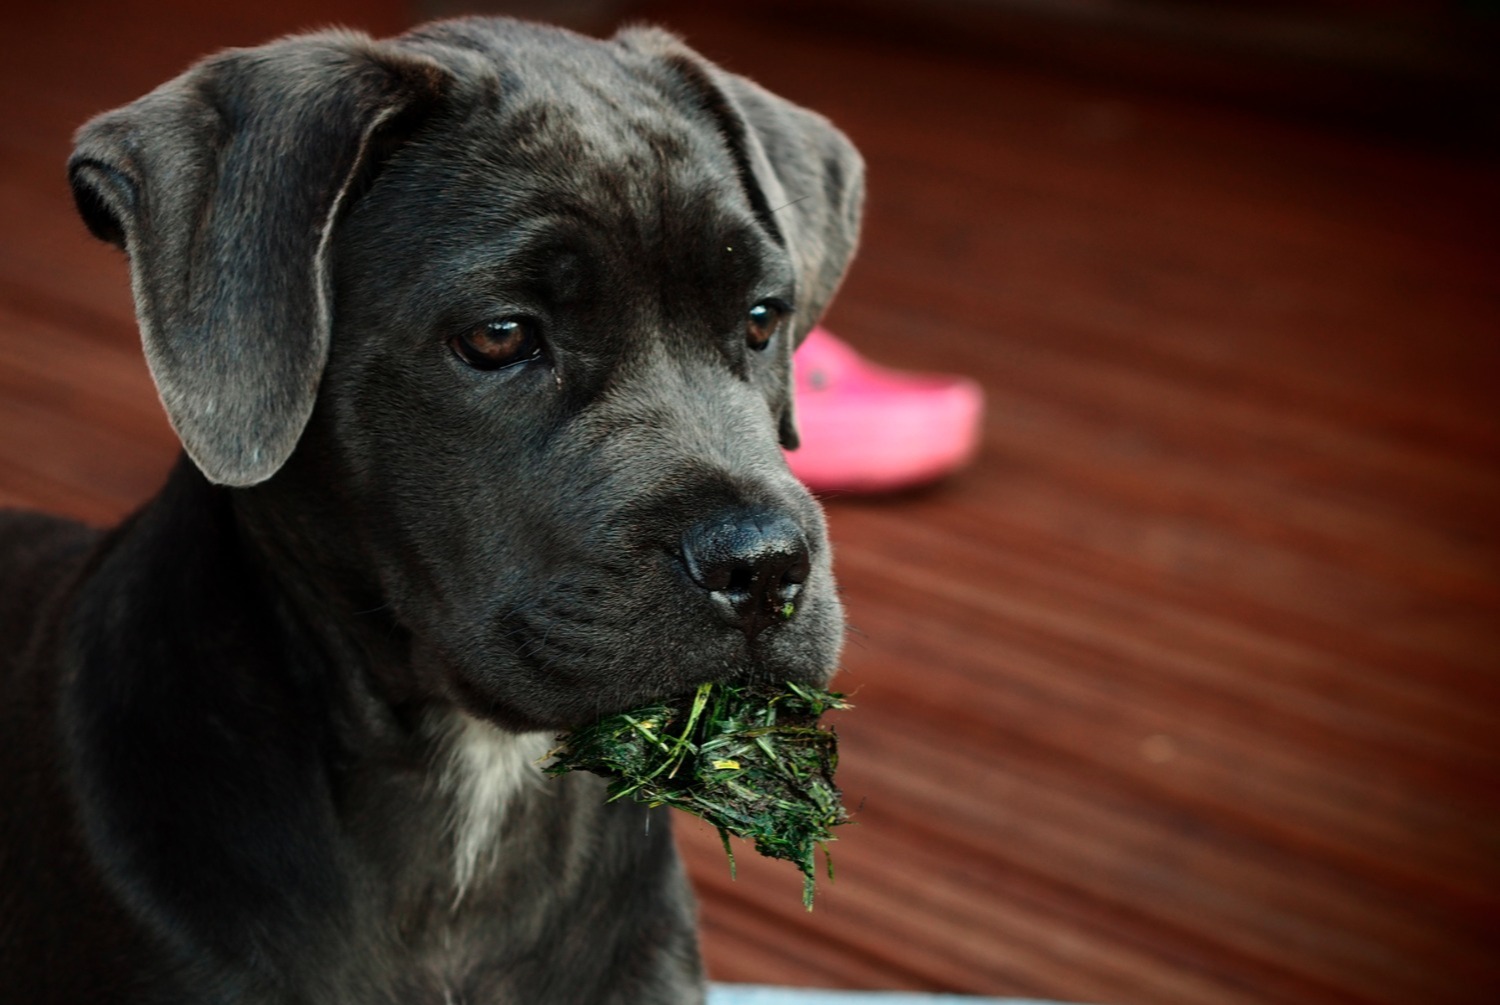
[(1187, 691)]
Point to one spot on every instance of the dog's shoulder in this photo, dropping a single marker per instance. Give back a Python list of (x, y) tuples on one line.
[(194, 741), (39, 556), (43, 864)]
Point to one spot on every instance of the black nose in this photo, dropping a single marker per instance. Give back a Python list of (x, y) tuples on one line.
[(752, 563)]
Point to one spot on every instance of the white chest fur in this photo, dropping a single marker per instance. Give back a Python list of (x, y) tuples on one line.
[(482, 769)]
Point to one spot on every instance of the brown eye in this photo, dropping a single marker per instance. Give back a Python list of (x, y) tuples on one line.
[(498, 344), (762, 323)]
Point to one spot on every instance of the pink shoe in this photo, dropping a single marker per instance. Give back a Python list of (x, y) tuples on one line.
[(869, 429)]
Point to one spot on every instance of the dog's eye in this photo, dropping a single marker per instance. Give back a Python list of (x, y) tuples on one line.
[(762, 323), (498, 343)]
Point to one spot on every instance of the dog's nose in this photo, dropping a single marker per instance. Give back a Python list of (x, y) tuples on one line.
[(752, 563)]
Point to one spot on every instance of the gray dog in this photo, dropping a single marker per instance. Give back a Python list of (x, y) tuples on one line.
[(478, 342)]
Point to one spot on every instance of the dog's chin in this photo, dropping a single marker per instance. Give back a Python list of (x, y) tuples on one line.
[(564, 674), (519, 696), (570, 714)]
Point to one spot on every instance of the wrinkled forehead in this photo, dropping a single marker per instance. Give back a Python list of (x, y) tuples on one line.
[(606, 166), (605, 140), (572, 185)]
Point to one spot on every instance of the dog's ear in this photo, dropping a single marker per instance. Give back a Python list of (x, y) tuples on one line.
[(223, 187), (804, 178)]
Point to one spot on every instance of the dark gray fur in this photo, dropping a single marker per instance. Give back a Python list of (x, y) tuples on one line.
[(233, 729)]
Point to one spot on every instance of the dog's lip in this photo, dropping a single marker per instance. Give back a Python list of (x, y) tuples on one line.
[(753, 676), (676, 695)]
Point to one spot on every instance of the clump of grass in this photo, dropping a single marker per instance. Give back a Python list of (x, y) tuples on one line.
[(753, 762)]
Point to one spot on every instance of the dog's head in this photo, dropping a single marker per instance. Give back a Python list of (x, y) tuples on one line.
[(508, 313)]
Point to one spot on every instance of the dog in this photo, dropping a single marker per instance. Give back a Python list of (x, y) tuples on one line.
[(478, 342)]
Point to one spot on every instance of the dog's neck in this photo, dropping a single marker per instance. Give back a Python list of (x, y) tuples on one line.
[(364, 830), (396, 752)]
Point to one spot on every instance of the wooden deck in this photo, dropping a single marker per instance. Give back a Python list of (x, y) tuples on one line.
[(1187, 692)]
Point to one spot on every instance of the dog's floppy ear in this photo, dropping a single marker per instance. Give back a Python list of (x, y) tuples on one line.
[(804, 178), (223, 187)]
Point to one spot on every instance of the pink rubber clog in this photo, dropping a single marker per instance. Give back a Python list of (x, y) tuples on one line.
[(866, 428)]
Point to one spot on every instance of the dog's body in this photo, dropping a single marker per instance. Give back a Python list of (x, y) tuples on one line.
[(479, 343)]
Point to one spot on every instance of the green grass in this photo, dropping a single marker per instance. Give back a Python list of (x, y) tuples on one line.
[(755, 763)]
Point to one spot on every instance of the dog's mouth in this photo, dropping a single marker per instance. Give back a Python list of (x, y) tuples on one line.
[(578, 652)]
